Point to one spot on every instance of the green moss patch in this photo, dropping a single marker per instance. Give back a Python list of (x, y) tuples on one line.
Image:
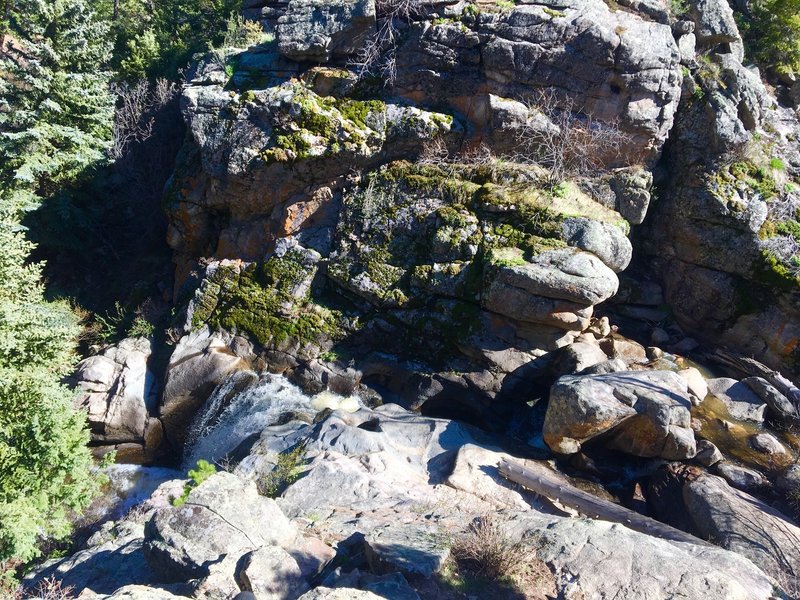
[(262, 302)]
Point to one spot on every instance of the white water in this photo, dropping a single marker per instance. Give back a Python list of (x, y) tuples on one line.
[(128, 485), (250, 411)]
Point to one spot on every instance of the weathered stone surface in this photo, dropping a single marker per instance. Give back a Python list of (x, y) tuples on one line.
[(632, 189), (577, 357), (313, 30), (141, 592), (604, 240), (199, 363), (715, 23), (742, 478), (410, 549), (225, 517), (118, 390), (743, 524), (271, 574), (601, 560), (739, 399), (647, 412), (568, 275)]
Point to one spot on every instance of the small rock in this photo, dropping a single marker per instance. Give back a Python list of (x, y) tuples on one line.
[(577, 357), (271, 574), (696, 382), (685, 346), (707, 453), (654, 353), (409, 549), (741, 477), (600, 328), (613, 365), (767, 443)]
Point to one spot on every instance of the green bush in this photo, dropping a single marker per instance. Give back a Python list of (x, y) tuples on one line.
[(198, 475), (284, 474), (773, 34)]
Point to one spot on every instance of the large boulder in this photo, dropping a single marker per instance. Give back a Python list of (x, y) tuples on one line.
[(317, 30), (223, 518), (118, 390), (646, 412)]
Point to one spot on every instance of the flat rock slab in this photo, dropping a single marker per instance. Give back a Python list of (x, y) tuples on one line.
[(411, 549), (741, 401), (648, 411)]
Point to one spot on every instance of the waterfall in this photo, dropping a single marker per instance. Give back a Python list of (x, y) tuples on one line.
[(238, 409)]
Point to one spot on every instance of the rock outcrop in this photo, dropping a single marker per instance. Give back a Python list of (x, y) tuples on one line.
[(119, 391)]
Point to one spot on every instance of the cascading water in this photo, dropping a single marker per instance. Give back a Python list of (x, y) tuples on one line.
[(232, 414)]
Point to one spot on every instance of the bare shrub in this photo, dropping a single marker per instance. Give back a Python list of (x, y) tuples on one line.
[(486, 550), (378, 56), (52, 589), (557, 135), (134, 117)]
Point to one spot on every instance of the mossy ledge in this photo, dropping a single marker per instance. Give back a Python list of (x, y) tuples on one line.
[(261, 302)]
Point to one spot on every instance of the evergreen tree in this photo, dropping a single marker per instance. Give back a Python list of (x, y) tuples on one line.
[(773, 34), (55, 123)]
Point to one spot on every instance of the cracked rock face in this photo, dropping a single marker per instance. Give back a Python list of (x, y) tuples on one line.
[(317, 30)]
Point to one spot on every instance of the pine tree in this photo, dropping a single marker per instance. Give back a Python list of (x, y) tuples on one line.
[(55, 123), (55, 105)]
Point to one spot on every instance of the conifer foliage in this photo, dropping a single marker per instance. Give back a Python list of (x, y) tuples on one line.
[(55, 123)]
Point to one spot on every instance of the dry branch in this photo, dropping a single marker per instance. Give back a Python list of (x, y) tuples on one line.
[(547, 484)]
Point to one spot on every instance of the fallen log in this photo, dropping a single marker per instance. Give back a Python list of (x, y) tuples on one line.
[(547, 483)]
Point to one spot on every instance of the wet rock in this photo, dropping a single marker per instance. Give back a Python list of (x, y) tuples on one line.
[(271, 574), (647, 413), (707, 453), (743, 524), (199, 363), (739, 399), (312, 30), (225, 517), (767, 443), (118, 391), (789, 481), (742, 478)]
